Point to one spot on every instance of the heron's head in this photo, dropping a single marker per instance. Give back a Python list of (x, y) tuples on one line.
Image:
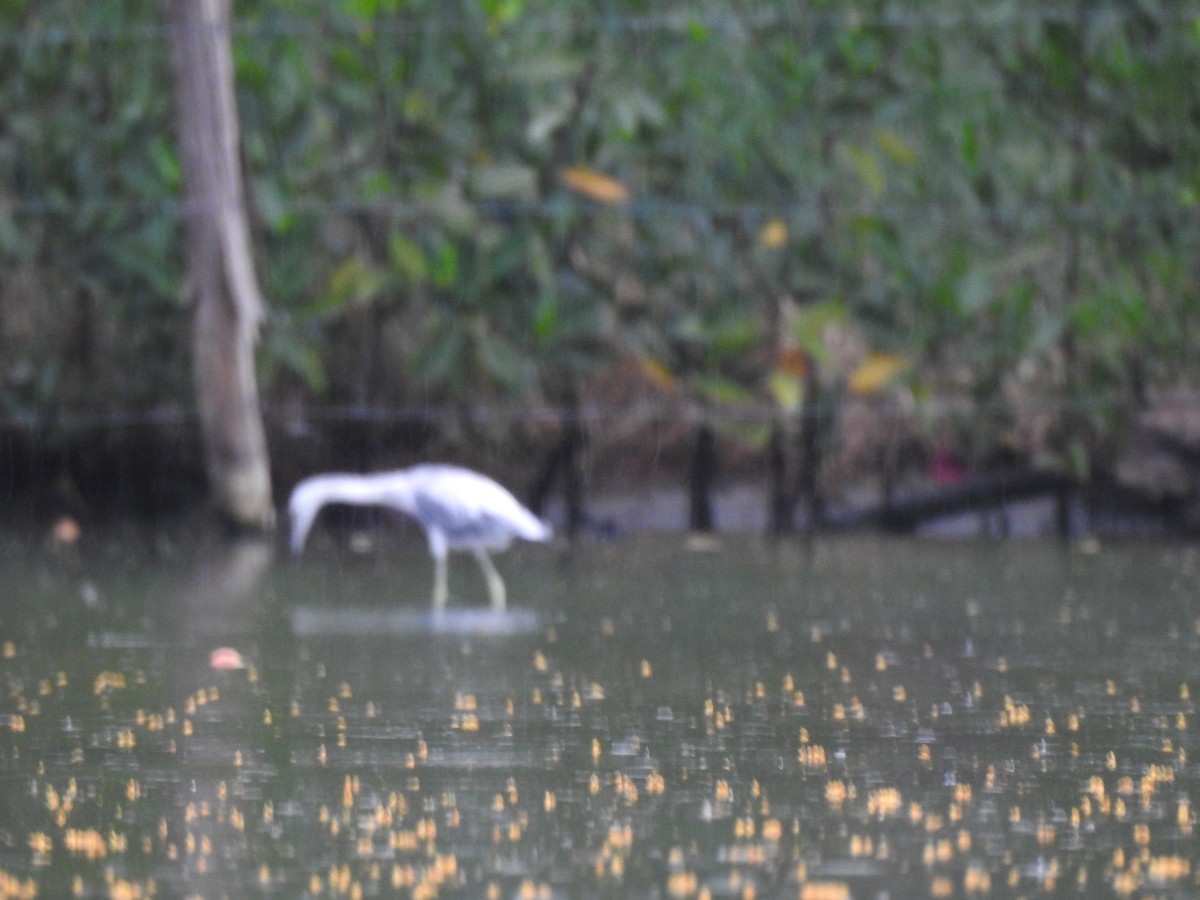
[(392, 489)]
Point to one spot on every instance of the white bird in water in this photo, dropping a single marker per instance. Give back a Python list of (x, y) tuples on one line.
[(457, 508)]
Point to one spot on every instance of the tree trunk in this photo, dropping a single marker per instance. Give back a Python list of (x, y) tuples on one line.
[(565, 459), (700, 480), (220, 272), (813, 426), (573, 442), (780, 500)]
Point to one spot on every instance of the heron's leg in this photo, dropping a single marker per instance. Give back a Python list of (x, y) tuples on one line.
[(439, 551), (494, 582), (441, 592)]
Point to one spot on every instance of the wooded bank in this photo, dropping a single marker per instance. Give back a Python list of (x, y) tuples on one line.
[(900, 230)]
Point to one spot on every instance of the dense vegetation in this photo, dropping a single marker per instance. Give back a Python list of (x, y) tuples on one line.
[(976, 222)]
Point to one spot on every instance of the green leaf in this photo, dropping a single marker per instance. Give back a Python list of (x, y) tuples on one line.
[(732, 335), (1047, 332), (541, 263), (378, 183), (1134, 312), (546, 119), (351, 64), (896, 147), (501, 12), (722, 390), (273, 205), (417, 106), (969, 146), (974, 291), (302, 359), (441, 356), (166, 162), (812, 322), (352, 283), (500, 359), (453, 210), (1078, 461), (698, 32), (545, 317), (407, 260), (867, 167), (504, 181), (445, 265), (364, 10), (498, 262), (752, 434), (547, 68)]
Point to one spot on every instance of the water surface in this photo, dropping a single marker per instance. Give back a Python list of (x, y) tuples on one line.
[(846, 718)]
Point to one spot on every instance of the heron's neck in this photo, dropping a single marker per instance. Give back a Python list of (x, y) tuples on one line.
[(392, 489), (357, 490)]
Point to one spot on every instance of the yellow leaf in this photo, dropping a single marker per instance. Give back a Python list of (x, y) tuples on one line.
[(875, 372), (657, 373), (774, 234), (787, 390), (896, 147), (594, 185), (867, 167)]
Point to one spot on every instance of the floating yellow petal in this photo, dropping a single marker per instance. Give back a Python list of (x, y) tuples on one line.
[(876, 372), (594, 185)]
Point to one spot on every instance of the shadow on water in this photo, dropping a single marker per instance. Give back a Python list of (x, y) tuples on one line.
[(855, 717)]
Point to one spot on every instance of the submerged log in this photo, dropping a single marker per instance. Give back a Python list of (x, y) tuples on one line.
[(977, 492)]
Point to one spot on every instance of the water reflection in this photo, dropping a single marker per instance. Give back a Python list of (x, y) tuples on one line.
[(314, 621), (851, 718), (224, 595)]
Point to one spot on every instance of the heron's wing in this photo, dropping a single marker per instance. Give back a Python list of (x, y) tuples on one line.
[(472, 510), (463, 523)]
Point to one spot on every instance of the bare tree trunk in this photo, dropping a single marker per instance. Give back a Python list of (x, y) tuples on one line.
[(701, 475), (565, 458), (220, 272), (813, 427), (782, 507)]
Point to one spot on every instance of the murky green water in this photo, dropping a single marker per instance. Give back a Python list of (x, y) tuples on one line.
[(850, 718)]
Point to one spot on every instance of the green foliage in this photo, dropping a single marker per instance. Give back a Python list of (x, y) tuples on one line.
[(88, 242), (1003, 193)]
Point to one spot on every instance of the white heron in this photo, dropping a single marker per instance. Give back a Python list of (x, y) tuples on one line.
[(458, 509)]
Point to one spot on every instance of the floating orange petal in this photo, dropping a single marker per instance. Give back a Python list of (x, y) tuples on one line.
[(226, 658), (594, 185), (66, 530)]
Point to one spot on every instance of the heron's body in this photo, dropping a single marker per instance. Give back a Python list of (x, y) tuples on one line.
[(457, 508)]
